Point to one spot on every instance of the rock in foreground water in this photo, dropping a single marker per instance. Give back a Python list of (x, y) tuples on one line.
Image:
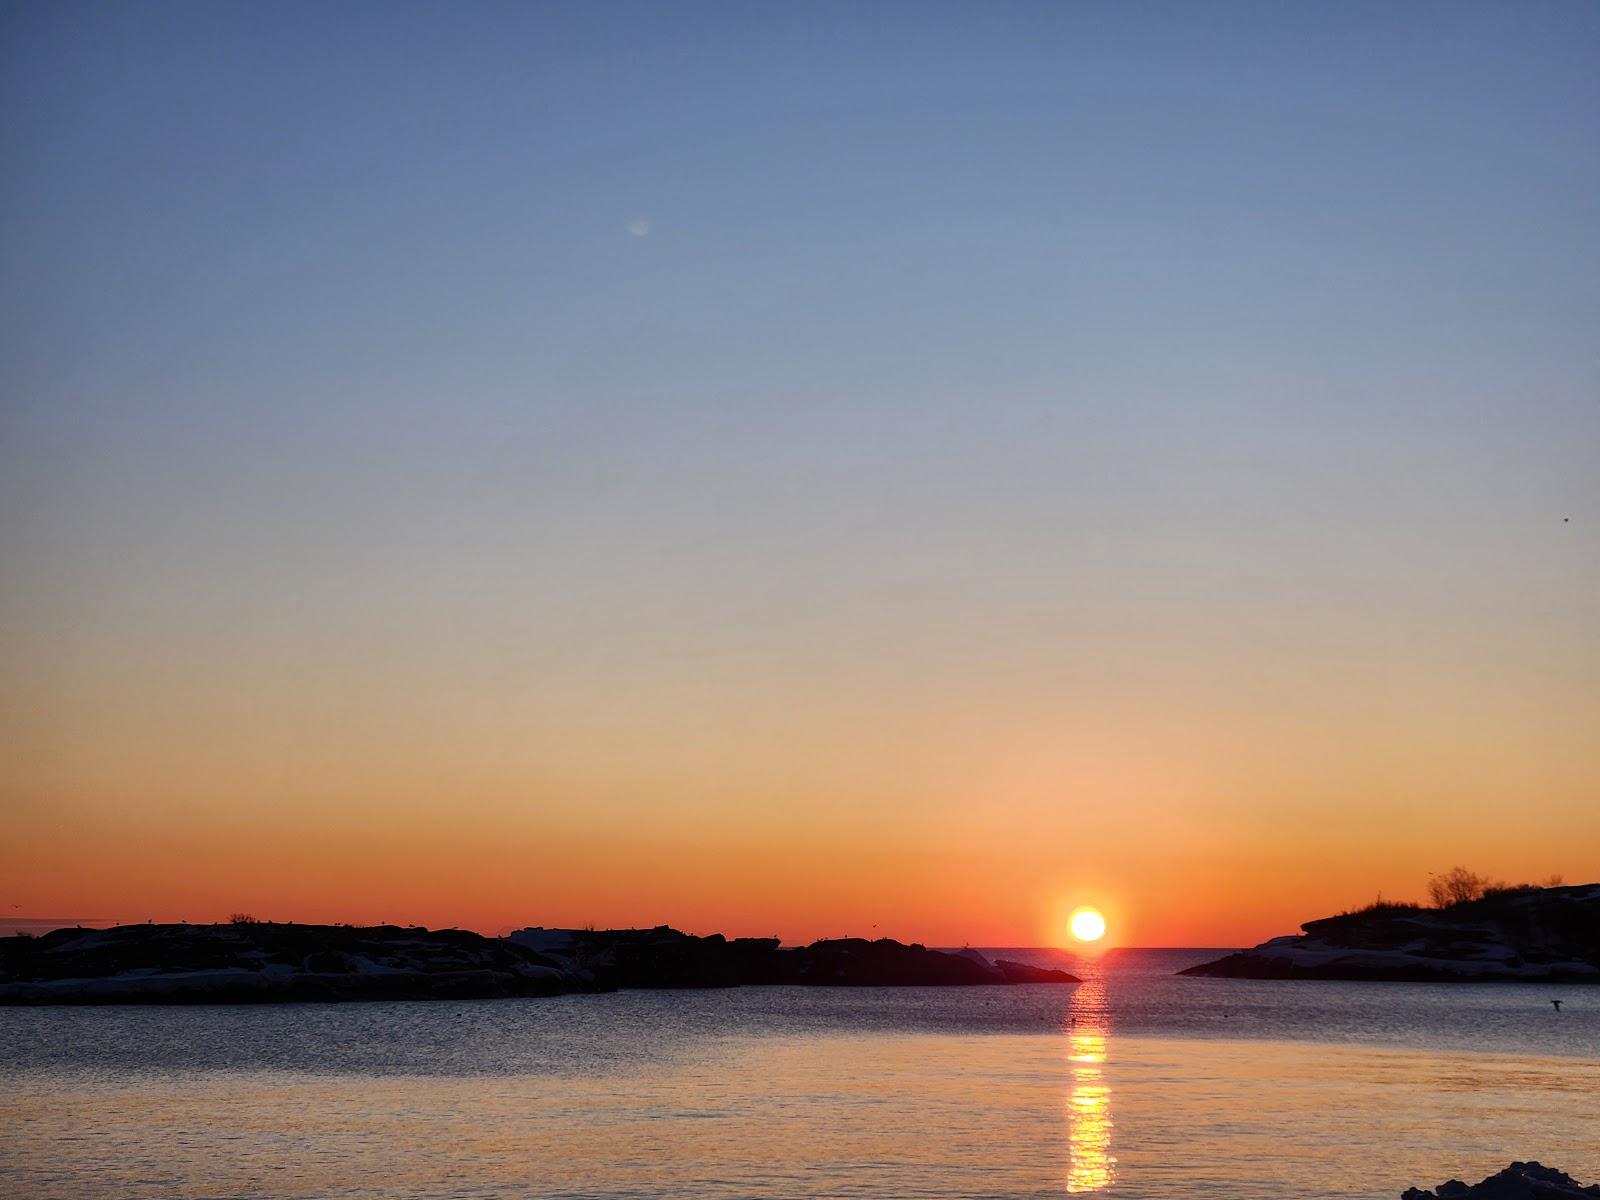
[(1519, 1181)]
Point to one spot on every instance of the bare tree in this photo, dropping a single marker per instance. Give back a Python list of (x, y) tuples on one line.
[(1456, 886)]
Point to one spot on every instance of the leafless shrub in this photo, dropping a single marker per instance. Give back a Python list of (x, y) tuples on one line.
[(1456, 886), (1461, 886)]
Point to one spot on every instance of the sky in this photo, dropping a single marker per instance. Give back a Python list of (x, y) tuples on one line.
[(806, 469)]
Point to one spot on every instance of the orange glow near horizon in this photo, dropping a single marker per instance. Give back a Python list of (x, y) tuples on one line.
[(855, 813), (494, 870), (938, 791)]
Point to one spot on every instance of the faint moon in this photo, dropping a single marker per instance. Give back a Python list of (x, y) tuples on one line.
[(639, 227)]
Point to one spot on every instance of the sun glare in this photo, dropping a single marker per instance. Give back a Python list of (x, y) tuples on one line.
[(1088, 925)]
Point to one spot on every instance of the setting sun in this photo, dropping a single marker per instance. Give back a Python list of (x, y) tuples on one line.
[(1088, 925)]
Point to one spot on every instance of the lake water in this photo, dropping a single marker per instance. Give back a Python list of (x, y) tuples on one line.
[(1134, 1084)]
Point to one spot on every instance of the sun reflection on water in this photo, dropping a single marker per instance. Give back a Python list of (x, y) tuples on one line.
[(1090, 1164)]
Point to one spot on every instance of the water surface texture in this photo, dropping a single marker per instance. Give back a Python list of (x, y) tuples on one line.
[(1136, 1084)]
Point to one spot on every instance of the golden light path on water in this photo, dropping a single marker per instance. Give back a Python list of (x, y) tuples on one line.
[(1091, 1167)]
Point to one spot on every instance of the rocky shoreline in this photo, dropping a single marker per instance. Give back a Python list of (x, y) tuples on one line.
[(268, 962), (1527, 935)]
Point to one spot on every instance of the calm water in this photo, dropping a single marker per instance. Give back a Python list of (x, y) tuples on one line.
[(1134, 1084)]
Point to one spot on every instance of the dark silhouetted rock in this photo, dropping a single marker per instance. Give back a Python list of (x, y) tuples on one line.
[(1541, 935), (1015, 972), (1519, 1181), (266, 962), (263, 962), (856, 962)]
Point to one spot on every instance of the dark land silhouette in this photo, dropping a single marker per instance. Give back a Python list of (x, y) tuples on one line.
[(247, 961), (1514, 934)]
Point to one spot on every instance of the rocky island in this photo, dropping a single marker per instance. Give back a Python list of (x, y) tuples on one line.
[(1526, 934), (265, 962)]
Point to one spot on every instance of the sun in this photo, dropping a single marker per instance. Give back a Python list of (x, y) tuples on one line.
[(1087, 925)]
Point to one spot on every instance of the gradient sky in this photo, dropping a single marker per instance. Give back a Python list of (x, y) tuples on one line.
[(803, 470)]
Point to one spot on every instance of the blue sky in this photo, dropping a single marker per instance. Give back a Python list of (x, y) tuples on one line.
[(537, 358)]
